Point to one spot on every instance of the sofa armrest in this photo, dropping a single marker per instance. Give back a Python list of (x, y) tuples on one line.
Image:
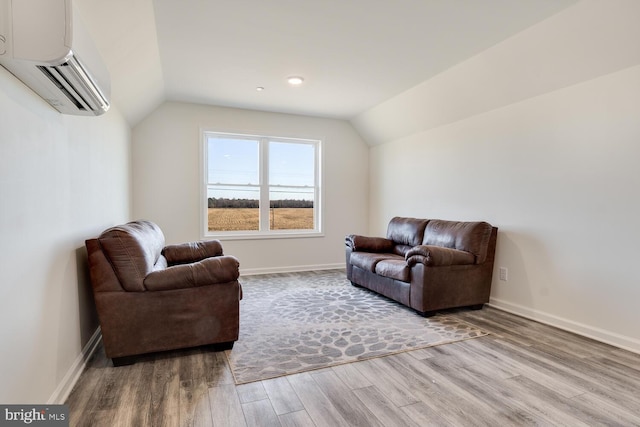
[(438, 256), (190, 252), (368, 244), (210, 271)]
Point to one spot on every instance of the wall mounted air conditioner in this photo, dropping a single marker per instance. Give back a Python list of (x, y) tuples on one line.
[(43, 43)]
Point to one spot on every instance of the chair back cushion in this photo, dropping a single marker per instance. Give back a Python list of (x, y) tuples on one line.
[(464, 236), (134, 250)]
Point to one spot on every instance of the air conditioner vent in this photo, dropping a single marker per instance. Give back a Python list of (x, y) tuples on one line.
[(46, 46), (77, 85)]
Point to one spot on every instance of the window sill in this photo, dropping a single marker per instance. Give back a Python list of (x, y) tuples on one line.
[(262, 236)]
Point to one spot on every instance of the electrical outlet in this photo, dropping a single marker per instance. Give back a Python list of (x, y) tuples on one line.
[(504, 274)]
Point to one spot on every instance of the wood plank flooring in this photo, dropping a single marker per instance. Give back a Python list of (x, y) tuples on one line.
[(524, 373)]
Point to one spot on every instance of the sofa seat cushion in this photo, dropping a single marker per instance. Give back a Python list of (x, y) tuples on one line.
[(394, 268), (367, 260)]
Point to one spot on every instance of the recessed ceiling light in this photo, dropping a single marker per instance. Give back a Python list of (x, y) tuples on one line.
[(295, 80)]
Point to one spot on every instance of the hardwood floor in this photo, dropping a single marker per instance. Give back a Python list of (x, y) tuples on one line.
[(523, 373)]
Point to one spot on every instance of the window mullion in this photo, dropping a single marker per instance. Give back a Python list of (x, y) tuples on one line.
[(316, 186), (264, 184)]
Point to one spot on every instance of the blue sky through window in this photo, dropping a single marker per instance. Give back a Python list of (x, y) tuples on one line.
[(234, 161), (237, 161)]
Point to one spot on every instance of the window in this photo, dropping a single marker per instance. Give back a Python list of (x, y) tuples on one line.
[(261, 186)]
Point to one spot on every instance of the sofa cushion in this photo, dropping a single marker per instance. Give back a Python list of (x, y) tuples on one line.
[(368, 260), (438, 256), (406, 231), (368, 244), (401, 250), (209, 271), (186, 253), (464, 236), (133, 250), (393, 268)]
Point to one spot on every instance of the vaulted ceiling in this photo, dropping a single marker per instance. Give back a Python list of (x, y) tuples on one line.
[(352, 54)]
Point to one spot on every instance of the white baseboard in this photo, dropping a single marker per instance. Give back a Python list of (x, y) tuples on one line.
[(63, 390), (607, 337), (290, 269)]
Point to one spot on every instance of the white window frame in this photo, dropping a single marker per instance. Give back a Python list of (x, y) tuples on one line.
[(263, 232)]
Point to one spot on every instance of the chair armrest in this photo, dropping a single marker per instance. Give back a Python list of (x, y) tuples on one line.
[(368, 244), (438, 256), (190, 252), (210, 271)]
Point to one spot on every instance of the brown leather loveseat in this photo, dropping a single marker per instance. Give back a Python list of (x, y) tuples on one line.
[(427, 265), (151, 297)]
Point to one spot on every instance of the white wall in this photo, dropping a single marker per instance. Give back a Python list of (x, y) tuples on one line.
[(166, 181), (590, 39), (62, 179), (557, 171)]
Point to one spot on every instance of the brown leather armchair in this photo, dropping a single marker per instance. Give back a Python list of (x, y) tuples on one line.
[(151, 297)]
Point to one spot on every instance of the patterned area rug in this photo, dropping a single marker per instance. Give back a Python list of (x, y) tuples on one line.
[(298, 322)]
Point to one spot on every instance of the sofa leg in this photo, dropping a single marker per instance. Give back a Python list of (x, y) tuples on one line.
[(123, 361), (356, 285), (476, 307), (426, 313), (222, 346)]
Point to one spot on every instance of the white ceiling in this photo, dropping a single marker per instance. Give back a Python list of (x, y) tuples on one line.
[(353, 54)]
